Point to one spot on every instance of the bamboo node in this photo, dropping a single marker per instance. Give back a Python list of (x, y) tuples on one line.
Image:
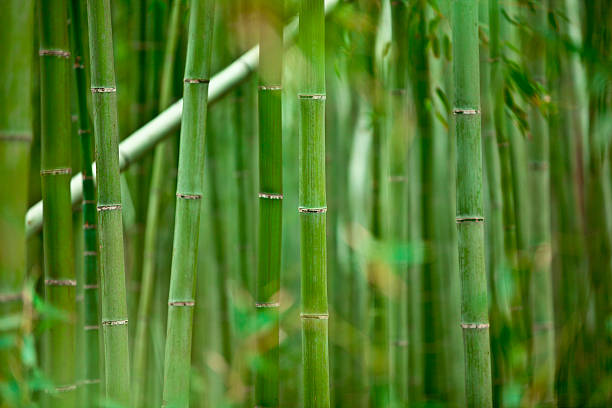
[(271, 196), (316, 316), (60, 282), (182, 303), (63, 388), (90, 253), (114, 322), (401, 343), (94, 286), (110, 207), (398, 91), (86, 177), (466, 111), (92, 327), (84, 131), (89, 381), (89, 226), (53, 172), (478, 326), (461, 220), (16, 136), (10, 297), (196, 80), (103, 90), (54, 53), (270, 87), (264, 305), (319, 210), (89, 201), (312, 96), (189, 196)]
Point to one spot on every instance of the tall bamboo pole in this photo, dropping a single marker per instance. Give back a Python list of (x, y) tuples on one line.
[(541, 302), (398, 198), (110, 233), (15, 139), (270, 203), (189, 193), (470, 221), (91, 341), (312, 206), (159, 171), (55, 172)]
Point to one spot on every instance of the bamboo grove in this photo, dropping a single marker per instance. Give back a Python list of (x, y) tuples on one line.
[(305, 203)]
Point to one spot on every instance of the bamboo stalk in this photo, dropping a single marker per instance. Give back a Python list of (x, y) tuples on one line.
[(543, 342), (470, 225), (144, 139), (189, 193), (15, 140), (312, 206), (60, 283), (159, 171), (110, 234), (91, 333), (270, 204)]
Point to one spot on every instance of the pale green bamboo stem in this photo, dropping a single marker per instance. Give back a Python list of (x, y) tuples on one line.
[(470, 221), (189, 192), (114, 317), (312, 206)]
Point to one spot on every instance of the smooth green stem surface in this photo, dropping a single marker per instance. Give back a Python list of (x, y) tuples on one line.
[(470, 220)]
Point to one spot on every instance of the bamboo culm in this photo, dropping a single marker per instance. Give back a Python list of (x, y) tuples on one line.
[(91, 329), (60, 283), (312, 206), (159, 171), (15, 140), (114, 317), (267, 287), (470, 221), (188, 205)]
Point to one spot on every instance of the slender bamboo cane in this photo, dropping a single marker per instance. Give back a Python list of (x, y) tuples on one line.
[(398, 196), (494, 228), (543, 342), (110, 233), (55, 172), (15, 139), (270, 203), (91, 343), (312, 206), (470, 221), (188, 205), (159, 171)]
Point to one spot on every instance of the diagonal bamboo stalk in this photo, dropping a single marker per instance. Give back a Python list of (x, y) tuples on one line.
[(139, 143), (55, 172), (470, 221), (110, 234), (190, 186)]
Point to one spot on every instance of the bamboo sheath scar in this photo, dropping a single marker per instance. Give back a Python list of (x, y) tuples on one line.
[(139, 143)]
